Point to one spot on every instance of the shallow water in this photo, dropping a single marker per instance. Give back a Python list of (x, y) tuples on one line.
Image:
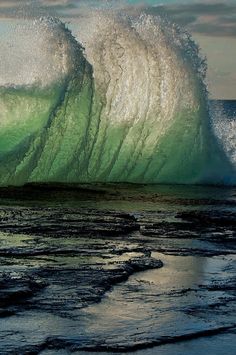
[(79, 269)]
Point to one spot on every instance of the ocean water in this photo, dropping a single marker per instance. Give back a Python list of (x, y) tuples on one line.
[(117, 190), (120, 99), (117, 269)]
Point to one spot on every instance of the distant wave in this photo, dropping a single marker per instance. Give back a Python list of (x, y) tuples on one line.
[(131, 106)]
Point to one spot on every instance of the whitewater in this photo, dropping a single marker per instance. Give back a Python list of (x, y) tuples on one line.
[(123, 99)]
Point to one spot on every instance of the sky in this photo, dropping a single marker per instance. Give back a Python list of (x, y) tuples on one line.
[(212, 24)]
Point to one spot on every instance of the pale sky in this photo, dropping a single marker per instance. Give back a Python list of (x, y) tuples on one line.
[(211, 22)]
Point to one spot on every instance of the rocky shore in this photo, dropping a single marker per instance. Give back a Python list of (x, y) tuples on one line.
[(83, 277)]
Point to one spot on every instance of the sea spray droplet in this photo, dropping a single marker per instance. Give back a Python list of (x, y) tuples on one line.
[(131, 107)]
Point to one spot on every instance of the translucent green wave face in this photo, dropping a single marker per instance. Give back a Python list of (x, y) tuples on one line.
[(24, 111), (135, 110)]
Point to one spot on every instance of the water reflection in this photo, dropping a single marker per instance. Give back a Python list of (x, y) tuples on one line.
[(169, 301)]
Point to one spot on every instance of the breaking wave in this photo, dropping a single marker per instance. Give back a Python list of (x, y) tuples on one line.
[(125, 103)]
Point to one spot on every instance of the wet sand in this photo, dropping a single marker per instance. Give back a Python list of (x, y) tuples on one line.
[(149, 270)]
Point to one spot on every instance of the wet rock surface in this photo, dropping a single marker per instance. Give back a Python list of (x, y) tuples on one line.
[(84, 277)]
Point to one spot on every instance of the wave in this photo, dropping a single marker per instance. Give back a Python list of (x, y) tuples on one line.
[(224, 127), (125, 103)]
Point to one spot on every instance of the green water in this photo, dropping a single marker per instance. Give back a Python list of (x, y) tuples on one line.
[(90, 125)]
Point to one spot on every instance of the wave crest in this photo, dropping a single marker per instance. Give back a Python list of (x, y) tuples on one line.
[(131, 108)]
